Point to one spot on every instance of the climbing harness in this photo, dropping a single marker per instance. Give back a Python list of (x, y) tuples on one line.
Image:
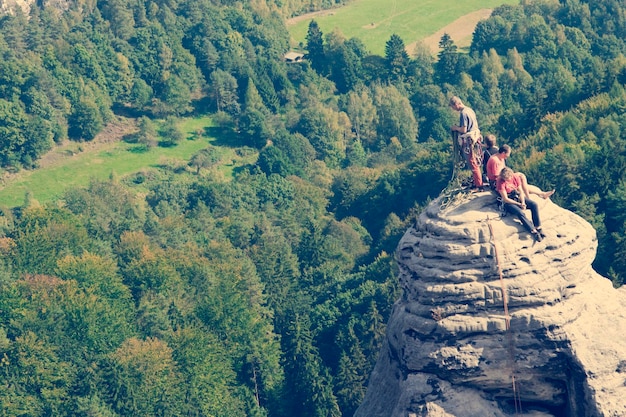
[(516, 395)]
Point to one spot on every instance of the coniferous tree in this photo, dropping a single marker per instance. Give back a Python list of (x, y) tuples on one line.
[(396, 59), (308, 384), (352, 372), (253, 119), (448, 60), (316, 53), (210, 379)]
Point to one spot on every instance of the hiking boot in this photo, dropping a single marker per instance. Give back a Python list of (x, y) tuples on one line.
[(475, 189)]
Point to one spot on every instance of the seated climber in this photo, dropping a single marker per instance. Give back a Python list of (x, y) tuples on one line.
[(516, 200), (497, 162), (491, 148)]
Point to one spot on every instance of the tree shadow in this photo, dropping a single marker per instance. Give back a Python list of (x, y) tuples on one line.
[(242, 168), (167, 144), (224, 136), (138, 149)]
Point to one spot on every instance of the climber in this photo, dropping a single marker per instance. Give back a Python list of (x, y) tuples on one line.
[(468, 136), (491, 148), (497, 162), (516, 200)]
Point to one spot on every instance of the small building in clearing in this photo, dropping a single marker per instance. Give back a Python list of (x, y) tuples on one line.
[(292, 56)]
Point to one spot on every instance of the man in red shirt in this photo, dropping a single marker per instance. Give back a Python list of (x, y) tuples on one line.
[(497, 163)]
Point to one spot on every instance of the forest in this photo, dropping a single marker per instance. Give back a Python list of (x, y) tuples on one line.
[(173, 292)]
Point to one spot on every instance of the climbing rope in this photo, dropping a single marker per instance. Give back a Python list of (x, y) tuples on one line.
[(456, 189), (511, 348)]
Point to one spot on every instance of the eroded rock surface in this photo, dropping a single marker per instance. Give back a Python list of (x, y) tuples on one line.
[(12, 6), (454, 348)]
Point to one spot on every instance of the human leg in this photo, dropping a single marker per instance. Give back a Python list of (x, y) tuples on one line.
[(517, 211), (533, 189), (534, 210), (475, 168)]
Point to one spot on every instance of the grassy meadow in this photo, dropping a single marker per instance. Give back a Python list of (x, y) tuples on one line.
[(76, 164), (374, 21)]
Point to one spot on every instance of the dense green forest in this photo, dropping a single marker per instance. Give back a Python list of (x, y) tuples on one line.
[(175, 293)]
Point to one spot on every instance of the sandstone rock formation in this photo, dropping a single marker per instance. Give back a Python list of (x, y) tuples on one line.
[(454, 348), (12, 6)]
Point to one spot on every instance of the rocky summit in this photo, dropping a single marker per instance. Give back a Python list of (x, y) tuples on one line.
[(492, 323), (13, 6)]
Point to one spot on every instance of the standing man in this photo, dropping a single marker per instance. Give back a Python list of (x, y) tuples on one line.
[(468, 136)]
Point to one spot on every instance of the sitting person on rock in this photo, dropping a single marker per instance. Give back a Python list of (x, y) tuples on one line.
[(497, 162), (515, 199), (491, 148)]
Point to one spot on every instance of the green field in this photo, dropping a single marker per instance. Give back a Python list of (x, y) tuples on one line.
[(76, 168), (374, 21)]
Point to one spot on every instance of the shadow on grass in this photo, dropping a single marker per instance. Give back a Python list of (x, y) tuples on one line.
[(175, 169), (224, 137), (242, 168), (138, 149)]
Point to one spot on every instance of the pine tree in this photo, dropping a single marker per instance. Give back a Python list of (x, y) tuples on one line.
[(448, 60), (396, 59), (309, 387), (353, 368), (315, 47)]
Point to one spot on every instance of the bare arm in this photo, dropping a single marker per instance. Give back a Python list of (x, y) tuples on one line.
[(506, 199), (460, 129)]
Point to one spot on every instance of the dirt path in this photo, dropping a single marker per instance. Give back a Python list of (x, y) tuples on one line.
[(460, 31), (307, 16)]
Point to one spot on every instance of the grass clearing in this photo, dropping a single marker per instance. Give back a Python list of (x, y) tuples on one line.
[(374, 21), (76, 168)]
